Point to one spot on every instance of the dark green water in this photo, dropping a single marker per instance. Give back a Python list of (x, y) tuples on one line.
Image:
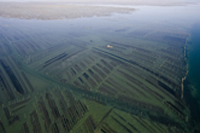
[(194, 59), (192, 83)]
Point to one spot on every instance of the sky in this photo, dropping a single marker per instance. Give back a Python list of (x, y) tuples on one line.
[(89, 0)]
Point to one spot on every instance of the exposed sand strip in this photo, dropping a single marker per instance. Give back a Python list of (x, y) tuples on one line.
[(56, 11), (74, 9)]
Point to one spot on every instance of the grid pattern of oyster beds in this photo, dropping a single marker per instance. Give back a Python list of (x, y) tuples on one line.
[(111, 72), (14, 82), (58, 111), (168, 61), (46, 112), (129, 87)]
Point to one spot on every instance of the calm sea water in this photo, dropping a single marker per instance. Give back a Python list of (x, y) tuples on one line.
[(194, 59), (174, 19)]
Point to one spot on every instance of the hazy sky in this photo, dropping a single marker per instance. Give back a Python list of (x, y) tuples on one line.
[(117, 2), (95, 0)]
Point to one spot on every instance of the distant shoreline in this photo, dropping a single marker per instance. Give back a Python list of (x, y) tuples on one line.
[(56, 11), (74, 9)]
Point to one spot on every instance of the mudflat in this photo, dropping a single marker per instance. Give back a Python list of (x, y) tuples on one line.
[(73, 9)]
